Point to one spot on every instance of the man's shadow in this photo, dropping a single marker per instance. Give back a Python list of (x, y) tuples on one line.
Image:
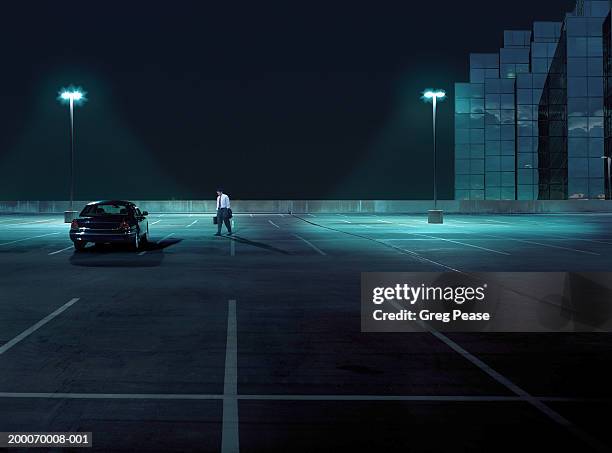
[(261, 245)]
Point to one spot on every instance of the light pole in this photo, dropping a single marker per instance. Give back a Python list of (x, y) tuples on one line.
[(608, 180), (71, 96), (435, 215)]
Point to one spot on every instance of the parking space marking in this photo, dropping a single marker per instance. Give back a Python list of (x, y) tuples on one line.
[(499, 222), (462, 243), (288, 397), (442, 398), (27, 239), (274, 224), (586, 240), (30, 330), (346, 221), (548, 245), (11, 219), (384, 243), (192, 223), (157, 221), (165, 237), (314, 247), (60, 251), (30, 223), (230, 429), (527, 397)]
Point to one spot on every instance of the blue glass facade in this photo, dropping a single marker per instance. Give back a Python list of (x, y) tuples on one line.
[(529, 124)]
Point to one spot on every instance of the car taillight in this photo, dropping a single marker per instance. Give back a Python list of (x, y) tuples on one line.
[(124, 225), (74, 225)]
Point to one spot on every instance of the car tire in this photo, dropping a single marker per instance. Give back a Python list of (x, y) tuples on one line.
[(79, 245), (145, 237), (136, 241)]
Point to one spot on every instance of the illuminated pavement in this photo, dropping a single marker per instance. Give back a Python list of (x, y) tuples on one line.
[(202, 342)]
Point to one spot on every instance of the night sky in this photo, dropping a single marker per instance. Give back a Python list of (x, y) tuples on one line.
[(271, 101)]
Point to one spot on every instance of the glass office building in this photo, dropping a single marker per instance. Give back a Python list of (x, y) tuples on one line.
[(529, 124), (607, 48)]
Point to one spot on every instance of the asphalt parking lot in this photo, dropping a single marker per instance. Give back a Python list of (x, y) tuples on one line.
[(200, 343)]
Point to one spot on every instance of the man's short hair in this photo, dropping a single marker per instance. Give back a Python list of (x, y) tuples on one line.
[(219, 189)]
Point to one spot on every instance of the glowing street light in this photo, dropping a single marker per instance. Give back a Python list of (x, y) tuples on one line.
[(71, 95), (435, 215), (608, 180)]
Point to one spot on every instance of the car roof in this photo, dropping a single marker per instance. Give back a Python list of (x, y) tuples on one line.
[(115, 202)]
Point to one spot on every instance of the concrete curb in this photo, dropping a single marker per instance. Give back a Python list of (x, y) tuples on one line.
[(333, 206)]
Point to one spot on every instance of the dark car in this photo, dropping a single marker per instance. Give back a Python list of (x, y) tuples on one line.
[(104, 222)]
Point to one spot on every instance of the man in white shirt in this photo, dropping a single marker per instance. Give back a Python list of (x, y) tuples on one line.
[(223, 212)]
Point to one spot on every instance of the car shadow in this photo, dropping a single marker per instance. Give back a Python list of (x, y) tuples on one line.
[(118, 255), (258, 244)]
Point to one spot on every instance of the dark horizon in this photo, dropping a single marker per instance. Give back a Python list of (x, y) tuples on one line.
[(283, 102)]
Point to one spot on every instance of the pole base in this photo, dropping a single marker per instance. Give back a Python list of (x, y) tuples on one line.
[(435, 216), (69, 216)]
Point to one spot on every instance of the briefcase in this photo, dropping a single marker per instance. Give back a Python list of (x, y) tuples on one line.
[(215, 220)]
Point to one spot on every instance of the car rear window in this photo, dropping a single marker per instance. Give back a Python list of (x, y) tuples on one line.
[(105, 209)]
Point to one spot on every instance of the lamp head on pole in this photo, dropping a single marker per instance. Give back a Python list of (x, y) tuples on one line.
[(73, 94), (429, 95)]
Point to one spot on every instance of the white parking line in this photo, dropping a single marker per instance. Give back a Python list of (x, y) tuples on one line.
[(548, 245), (383, 221), (498, 221), (230, 429), (62, 250), (274, 224), (165, 237), (288, 397), (27, 239), (314, 247), (30, 330), (535, 402), (29, 223), (591, 240), (462, 243), (346, 221), (192, 223), (11, 219), (157, 221), (449, 398)]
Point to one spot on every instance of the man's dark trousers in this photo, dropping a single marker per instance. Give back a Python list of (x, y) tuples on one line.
[(222, 217)]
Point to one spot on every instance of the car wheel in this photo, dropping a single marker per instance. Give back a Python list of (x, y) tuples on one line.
[(136, 243), (145, 237), (78, 245)]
